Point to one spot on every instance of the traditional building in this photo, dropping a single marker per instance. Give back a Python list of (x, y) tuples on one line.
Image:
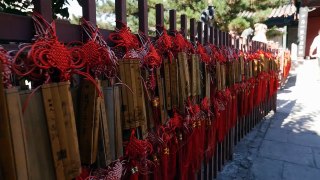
[(313, 21)]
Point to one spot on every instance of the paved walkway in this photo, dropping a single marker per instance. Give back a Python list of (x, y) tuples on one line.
[(286, 145)]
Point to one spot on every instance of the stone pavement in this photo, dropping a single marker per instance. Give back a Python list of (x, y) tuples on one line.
[(286, 144)]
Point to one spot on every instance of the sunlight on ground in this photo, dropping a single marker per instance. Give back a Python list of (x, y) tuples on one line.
[(303, 101)]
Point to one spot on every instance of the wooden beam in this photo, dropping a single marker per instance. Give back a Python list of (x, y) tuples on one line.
[(24, 29)]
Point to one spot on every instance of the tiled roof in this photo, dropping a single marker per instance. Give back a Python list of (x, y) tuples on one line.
[(282, 11)]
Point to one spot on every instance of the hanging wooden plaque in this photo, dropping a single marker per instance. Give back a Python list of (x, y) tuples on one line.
[(62, 129), (38, 143), (184, 78), (208, 83), (193, 75), (223, 76), (167, 83), (218, 76), (136, 105), (88, 122), (12, 135), (74, 168), (174, 83), (7, 165), (161, 95)]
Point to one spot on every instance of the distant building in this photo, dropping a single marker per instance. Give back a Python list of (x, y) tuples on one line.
[(313, 21)]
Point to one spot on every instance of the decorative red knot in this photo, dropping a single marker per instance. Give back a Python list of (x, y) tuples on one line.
[(203, 53), (124, 39)]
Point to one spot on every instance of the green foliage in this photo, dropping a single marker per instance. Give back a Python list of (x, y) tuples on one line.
[(273, 32), (24, 7), (261, 16), (192, 8), (20, 7), (226, 12), (238, 24)]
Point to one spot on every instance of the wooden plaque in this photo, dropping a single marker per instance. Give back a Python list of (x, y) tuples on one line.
[(174, 83), (59, 152), (193, 75), (167, 83), (135, 99), (250, 69), (124, 96), (256, 67), (208, 83), (7, 166), (161, 95), (13, 158), (88, 122), (218, 76), (184, 78), (17, 132), (38, 143), (104, 134), (62, 129), (118, 126), (69, 122), (242, 66), (223, 74), (130, 95), (237, 71), (197, 74)]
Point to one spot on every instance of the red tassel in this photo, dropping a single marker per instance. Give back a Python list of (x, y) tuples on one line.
[(134, 176), (165, 164), (173, 159)]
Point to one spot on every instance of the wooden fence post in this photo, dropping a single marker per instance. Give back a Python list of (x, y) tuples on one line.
[(202, 71), (89, 11), (193, 30), (44, 8), (172, 20), (121, 13), (206, 34), (143, 16), (159, 17), (184, 27), (215, 36), (211, 37)]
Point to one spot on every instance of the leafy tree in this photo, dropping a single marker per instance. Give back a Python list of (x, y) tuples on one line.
[(23, 7), (192, 8), (226, 12)]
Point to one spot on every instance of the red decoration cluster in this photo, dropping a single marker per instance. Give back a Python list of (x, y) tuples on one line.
[(176, 149), (173, 150)]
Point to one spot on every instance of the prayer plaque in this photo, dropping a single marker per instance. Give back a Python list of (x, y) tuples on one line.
[(88, 122)]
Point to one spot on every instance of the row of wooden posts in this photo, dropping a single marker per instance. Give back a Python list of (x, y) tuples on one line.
[(55, 104)]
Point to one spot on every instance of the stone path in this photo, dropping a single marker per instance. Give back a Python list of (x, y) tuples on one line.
[(286, 145)]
